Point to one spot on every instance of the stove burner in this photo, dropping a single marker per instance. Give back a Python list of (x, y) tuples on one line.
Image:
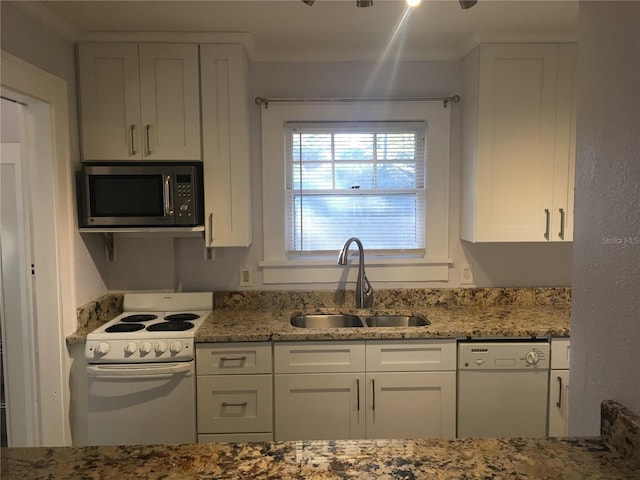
[(181, 317), (142, 317), (124, 327), (175, 326)]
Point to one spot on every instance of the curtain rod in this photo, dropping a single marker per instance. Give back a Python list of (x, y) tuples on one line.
[(445, 100)]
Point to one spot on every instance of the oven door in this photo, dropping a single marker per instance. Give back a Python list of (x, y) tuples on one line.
[(141, 404)]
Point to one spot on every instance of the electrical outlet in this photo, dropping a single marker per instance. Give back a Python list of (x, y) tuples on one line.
[(246, 277), (466, 275)]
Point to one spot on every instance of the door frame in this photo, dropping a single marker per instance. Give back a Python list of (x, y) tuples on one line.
[(49, 178)]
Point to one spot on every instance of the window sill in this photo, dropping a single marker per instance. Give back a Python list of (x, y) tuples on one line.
[(378, 270)]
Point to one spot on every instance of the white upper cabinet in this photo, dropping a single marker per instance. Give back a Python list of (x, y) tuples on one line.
[(518, 143), (225, 147), (139, 102)]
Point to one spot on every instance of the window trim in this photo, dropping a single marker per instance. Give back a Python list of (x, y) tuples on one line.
[(433, 266)]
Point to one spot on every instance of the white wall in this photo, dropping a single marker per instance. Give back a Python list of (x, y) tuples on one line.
[(605, 358), (493, 265), (29, 40), (183, 264)]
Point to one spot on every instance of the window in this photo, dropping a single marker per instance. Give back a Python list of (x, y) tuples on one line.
[(376, 171), (363, 179)]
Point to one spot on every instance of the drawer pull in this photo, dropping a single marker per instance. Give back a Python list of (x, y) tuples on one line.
[(233, 359), (228, 404), (358, 394)]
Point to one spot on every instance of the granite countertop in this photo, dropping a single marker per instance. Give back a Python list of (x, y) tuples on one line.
[(453, 313), (228, 325), (613, 456)]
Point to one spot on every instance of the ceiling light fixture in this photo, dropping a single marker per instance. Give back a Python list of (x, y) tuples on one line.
[(414, 3), (309, 2), (364, 3), (467, 3)]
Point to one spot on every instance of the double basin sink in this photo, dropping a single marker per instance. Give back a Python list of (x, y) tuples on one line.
[(333, 320)]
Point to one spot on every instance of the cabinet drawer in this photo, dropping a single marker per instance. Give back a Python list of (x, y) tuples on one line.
[(560, 352), (235, 437), (229, 404), (318, 357), (411, 355), (233, 358)]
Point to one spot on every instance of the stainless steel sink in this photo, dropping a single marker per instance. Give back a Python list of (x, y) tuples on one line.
[(396, 321), (326, 321), (339, 320)]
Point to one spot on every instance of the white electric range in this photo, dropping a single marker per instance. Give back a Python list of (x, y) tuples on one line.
[(141, 370)]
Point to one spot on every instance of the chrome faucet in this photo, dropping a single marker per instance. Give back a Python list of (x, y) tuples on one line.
[(364, 290)]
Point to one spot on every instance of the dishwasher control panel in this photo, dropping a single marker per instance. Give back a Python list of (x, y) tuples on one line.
[(507, 355)]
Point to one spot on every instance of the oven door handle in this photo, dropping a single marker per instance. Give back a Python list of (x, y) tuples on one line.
[(143, 370)]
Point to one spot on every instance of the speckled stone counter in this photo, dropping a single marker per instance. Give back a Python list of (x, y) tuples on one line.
[(453, 313), (497, 459)]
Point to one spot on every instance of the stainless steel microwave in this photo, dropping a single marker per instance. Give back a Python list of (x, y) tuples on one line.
[(141, 195)]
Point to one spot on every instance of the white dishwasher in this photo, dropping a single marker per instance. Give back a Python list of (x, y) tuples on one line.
[(502, 388)]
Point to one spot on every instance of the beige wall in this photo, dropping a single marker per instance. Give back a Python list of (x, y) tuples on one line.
[(180, 264), (29, 40), (605, 332)]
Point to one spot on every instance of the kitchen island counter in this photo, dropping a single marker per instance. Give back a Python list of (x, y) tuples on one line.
[(506, 459), (615, 455)]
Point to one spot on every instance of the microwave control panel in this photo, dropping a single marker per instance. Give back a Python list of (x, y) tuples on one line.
[(185, 199)]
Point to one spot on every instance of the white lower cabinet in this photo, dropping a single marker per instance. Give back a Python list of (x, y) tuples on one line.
[(234, 392), (372, 389), (559, 388)]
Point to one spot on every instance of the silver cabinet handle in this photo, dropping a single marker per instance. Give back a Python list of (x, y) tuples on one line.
[(168, 200), (548, 214), (132, 140), (228, 404), (210, 242), (373, 398), (233, 359), (358, 394), (561, 234), (559, 402), (147, 137)]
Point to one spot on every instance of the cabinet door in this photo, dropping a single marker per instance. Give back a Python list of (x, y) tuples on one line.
[(516, 134), (109, 101), (225, 146), (170, 102), (565, 146), (319, 406), (559, 403), (234, 403), (411, 405)]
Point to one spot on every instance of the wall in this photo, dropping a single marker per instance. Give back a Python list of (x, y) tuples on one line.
[(493, 265), (605, 360), (179, 264), (29, 40)]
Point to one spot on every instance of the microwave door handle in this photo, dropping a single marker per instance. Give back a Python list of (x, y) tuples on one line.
[(168, 196)]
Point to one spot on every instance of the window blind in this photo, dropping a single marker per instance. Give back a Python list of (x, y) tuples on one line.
[(362, 179)]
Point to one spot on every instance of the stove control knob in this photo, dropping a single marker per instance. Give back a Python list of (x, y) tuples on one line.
[(175, 347), (532, 357), (145, 348), (130, 348), (161, 347), (102, 349)]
